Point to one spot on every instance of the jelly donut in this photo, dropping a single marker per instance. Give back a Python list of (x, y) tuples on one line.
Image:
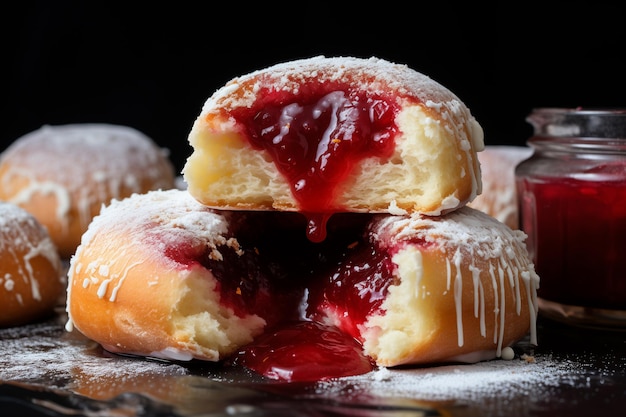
[(32, 279), (499, 194), (342, 134), (161, 275), (64, 174), (158, 274), (419, 289)]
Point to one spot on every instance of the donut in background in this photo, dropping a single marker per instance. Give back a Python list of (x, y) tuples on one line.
[(499, 194), (32, 280), (64, 174)]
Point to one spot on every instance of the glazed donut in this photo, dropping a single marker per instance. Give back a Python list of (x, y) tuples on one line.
[(31, 276), (499, 195), (457, 287), (161, 275), (64, 174), (342, 134)]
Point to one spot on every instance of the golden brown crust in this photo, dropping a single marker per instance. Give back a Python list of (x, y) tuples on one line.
[(127, 291), (64, 174), (31, 276)]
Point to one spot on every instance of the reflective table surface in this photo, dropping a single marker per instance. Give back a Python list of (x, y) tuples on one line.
[(47, 371)]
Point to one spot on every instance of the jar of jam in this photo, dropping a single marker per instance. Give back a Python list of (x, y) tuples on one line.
[(572, 206)]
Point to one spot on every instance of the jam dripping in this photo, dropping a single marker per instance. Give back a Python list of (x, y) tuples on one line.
[(354, 288), (294, 285), (317, 138), (348, 277)]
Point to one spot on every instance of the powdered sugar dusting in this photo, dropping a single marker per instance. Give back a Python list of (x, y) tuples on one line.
[(173, 210), (181, 221), (374, 75), (521, 386), (115, 155), (379, 75), (81, 166), (550, 382), (422, 110), (51, 357)]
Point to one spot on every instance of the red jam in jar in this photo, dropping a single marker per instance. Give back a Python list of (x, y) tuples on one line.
[(572, 201)]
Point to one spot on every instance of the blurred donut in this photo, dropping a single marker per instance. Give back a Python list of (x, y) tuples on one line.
[(499, 194), (64, 174), (31, 274)]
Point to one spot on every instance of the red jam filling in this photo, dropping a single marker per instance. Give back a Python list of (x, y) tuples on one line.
[(305, 351), (247, 282), (577, 234), (354, 289), (317, 138), (293, 283)]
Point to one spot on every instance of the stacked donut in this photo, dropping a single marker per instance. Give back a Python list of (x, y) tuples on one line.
[(323, 193)]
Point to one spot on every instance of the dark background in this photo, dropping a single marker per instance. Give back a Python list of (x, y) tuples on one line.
[(152, 67)]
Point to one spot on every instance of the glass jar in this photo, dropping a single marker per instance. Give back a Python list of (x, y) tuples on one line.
[(572, 206)]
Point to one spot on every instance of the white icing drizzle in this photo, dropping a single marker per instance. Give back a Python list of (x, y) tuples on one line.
[(502, 309), (496, 301), (479, 299), (45, 188), (121, 280), (448, 275), (102, 288), (458, 295), (531, 295), (103, 270), (9, 284)]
